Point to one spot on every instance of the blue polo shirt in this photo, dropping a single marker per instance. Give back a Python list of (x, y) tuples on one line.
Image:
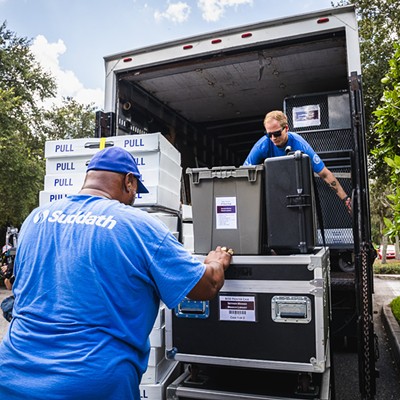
[(265, 148), (90, 273)]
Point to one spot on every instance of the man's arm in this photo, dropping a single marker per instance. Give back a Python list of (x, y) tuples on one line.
[(216, 262), (258, 153), (335, 185)]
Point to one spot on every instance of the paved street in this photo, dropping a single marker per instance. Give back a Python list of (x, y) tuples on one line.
[(346, 364), (388, 385)]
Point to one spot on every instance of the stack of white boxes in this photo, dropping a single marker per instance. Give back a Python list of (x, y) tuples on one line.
[(159, 163), (187, 227), (160, 371)]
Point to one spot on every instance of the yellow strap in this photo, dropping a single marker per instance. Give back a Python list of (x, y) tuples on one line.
[(102, 143)]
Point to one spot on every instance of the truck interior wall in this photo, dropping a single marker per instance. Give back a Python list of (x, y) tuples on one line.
[(212, 108), (223, 96)]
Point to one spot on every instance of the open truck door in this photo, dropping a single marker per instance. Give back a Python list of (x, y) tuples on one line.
[(208, 95)]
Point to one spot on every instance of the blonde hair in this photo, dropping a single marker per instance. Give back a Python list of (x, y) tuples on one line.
[(278, 116)]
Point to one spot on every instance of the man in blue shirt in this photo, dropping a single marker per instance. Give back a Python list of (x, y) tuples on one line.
[(278, 138), (90, 272)]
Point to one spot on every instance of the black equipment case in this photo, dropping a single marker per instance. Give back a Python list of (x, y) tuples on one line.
[(272, 313), (290, 204)]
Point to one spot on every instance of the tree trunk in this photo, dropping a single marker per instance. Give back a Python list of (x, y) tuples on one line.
[(384, 248)]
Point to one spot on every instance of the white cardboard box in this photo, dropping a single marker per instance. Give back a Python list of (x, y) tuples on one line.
[(187, 229), (188, 243), (157, 391), (169, 220), (160, 319), (48, 197), (132, 143), (157, 337), (187, 215), (72, 182), (157, 354), (147, 142), (158, 373), (71, 147), (145, 160), (157, 196)]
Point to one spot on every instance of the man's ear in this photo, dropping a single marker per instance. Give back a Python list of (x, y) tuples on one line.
[(130, 182)]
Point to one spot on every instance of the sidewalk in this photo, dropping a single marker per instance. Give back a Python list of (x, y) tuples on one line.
[(3, 323), (392, 327)]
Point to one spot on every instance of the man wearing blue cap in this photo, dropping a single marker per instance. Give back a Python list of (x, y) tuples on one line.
[(90, 272)]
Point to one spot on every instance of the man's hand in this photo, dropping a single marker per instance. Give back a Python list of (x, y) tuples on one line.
[(222, 255), (347, 203), (216, 262)]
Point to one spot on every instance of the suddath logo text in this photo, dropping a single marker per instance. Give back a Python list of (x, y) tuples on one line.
[(103, 221)]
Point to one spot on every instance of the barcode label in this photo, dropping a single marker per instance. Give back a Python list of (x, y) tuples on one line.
[(237, 308)]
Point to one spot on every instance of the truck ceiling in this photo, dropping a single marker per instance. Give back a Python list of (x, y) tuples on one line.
[(225, 82), (243, 85)]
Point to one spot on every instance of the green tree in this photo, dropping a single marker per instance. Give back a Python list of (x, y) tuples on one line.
[(72, 120), (381, 206), (379, 29), (388, 130), (23, 85)]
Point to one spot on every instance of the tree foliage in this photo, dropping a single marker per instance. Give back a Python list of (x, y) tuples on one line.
[(23, 84), (71, 120), (388, 130), (25, 125), (381, 209), (379, 30)]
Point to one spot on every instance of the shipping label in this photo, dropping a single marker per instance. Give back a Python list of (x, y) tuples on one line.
[(237, 308), (226, 213), (306, 116)]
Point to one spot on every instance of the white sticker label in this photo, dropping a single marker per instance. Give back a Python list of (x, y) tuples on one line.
[(237, 308), (226, 212), (306, 116)]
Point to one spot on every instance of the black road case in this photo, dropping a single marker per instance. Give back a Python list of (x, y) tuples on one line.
[(290, 204), (272, 313), (227, 383)]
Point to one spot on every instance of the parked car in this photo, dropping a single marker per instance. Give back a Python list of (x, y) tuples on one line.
[(390, 251)]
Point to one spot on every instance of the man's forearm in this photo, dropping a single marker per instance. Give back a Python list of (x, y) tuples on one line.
[(333, 183)]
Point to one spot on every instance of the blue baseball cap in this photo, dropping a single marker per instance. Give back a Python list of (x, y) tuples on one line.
[(117, 159)]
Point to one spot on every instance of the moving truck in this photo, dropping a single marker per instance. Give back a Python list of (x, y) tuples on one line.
[(208, 95)]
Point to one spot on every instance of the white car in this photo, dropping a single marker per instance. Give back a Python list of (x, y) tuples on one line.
[(390, 251)]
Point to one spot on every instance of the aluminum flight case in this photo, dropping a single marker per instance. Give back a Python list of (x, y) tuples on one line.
[(272, 313)]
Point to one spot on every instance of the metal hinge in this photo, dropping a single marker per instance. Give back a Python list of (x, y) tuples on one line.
[(318, 287)]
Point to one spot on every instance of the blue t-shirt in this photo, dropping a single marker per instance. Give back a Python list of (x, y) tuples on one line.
[(90, 273), (264, 148)]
